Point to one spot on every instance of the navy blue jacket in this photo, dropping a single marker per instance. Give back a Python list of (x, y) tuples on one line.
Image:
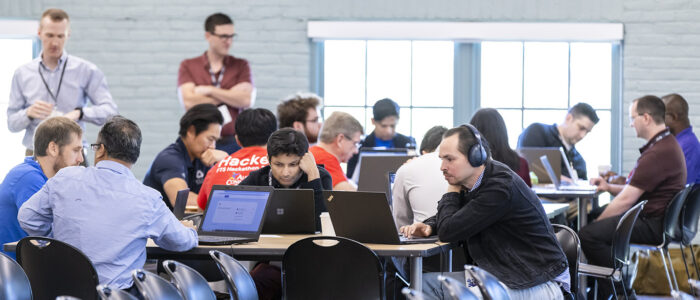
[(542, 135)]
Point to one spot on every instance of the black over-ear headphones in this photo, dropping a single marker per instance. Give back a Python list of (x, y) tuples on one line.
[(477, 153)]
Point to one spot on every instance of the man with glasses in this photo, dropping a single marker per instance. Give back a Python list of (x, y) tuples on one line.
[(56, 84), (340, 138), (218, 78), (301, 113)]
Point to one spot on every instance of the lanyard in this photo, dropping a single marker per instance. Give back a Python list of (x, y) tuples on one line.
[(60, 81), (216, 81)]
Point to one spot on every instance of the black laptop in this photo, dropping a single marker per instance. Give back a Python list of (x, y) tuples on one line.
[(291, 211), (373, 171), (181, 203), (234, 214), (365, 217)]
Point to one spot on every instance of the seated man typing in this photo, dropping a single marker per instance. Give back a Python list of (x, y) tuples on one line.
[(491, 210)]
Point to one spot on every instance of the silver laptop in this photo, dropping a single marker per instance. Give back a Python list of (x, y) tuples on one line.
[(234, 214), (557, 182), (532, 155)]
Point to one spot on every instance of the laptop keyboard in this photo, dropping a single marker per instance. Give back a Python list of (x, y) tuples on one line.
[(214, 239)]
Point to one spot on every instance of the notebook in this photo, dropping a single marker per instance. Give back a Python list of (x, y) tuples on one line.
[(291, 211), (234, 214)]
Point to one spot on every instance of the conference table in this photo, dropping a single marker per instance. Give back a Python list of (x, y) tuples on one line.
[(583, 197)]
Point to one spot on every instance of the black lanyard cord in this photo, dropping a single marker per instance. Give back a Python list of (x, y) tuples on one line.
[(60, 81)]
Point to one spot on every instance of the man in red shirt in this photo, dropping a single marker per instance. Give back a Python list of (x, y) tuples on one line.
[(340, 136), (218, 78), (253, 128)]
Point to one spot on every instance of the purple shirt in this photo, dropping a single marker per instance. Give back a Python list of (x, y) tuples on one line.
[(691, 150)]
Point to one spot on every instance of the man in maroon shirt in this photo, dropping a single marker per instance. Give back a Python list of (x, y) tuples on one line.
[(218, 78)]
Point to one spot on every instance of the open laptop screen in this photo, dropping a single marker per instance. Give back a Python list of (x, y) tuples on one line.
[(231, 210)]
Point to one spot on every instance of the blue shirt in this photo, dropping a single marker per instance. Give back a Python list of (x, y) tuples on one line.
[(82, 82), (175, 162), (109, 215), (691, 150), (384, 143), (20, 183)]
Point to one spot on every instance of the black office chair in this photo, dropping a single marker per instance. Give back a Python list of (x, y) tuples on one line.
[(152, 287), (14, 284), (55, 268), (238, 281), (106, 293), (571, 245), (620, 251), (339, 268), (190, 284), (457, 290), (491, 288), (690, 216)]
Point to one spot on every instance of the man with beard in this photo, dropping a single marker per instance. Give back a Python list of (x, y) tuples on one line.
[(57, 144), (301, 113)]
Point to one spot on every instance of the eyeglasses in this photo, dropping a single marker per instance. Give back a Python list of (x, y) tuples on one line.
[(224, 36), (634, 117), (357, 144), (314, 120), (95, 147)]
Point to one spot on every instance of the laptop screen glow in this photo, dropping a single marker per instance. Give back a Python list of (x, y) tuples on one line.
[(235, 211)]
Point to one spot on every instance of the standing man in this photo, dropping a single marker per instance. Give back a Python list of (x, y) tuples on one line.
[(677, 121), (579, 121), (57, 84), (301, 113), (218, 78), (340, 137), (58, 144)]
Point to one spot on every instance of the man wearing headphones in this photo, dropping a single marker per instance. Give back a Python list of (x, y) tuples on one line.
[(497, 218)]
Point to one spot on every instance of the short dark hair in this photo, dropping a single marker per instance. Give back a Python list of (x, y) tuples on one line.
[(55, 14), (584, 109), (385, 108), (200, 116), (57, 130), (121, 138), (677, 105), (287, 141), (296, 108), (254, 126), (653, 106), (432, 138), (216, 19), (466, 140)]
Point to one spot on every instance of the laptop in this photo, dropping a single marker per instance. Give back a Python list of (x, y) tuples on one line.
[(366, 218), (557, 182), (373, 171), (378, 151), (532, 155), (291, 211), (181, 203), (390, 177), (234, 214)]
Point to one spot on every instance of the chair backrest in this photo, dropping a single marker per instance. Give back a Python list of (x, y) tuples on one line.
[(55, 268), (672, 218), (152, 287), (106, 293), (331, 268), (691, 214), (238, 281), (190, 283), (491, 288), (571, 245), (457, 290), (14, 284), (623, 233), (411, 294)]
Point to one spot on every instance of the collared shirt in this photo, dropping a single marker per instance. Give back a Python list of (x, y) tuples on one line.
[(109, 215), (691, 150), (478, 181), (174, 162), (82, 82), (20, 183)]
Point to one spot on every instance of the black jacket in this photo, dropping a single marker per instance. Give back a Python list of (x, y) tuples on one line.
[(504, 228), (541, 135), (261, 177), (399, 140)]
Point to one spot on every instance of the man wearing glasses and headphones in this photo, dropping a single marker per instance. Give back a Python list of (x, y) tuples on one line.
[(497, 218), (218, 78)]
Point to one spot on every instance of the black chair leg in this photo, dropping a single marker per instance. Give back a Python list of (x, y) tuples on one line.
[(624, 288), (685, 263), (692, 254), (612, 281)]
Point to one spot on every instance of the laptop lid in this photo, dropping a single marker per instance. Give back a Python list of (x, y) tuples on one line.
[(181, 203), (377, 151), (532, 155), (237, 211), (291, 211), (569, 167), (361, 216), (550, 172), (373, 170)]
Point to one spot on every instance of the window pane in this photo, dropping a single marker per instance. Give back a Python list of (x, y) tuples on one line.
[(344, 72), (426, 118), (513, 119), (547, 117), (546, 75), (357, 112), (595, 147), (433, 65), (389, 71), (501, 74), (591, 73)]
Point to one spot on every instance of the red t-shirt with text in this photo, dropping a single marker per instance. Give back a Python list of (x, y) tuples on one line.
[(232, 170)]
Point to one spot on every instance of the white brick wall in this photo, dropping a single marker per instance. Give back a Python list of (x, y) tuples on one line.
[(140, 43)]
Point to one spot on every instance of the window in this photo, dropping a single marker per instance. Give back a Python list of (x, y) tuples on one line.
[(418, 75), (538, 81)]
